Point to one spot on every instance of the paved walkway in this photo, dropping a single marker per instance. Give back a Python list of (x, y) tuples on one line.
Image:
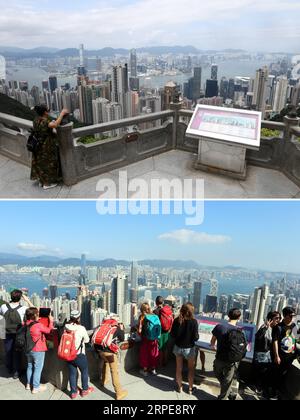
[(260, 182)]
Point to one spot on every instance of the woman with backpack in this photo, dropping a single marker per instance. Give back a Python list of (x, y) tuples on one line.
[(36, 356), (45, 166), (149, 329), (80, 362), (185, 333)]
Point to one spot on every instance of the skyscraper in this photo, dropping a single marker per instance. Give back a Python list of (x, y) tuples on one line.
[(171, 93), (214, 72), (53, 291), (53, 83), (212, 88), (260, 88), (197, 296), (120, 87), (119, 294), (133, 275), (133, 63), (86, 104), (258, 308), (196, 84), (214, 287)]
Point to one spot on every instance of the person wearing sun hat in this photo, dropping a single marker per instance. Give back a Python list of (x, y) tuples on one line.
[(81, 338)]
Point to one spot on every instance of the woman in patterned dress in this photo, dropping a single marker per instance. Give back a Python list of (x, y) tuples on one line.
[(45, 166)]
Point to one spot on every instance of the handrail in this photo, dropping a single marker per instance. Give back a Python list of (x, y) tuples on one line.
[(273, 125), (113, 125), (15, 121), (296, 131)]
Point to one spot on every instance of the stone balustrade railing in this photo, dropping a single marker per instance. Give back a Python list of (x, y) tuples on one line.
[(81, 161)]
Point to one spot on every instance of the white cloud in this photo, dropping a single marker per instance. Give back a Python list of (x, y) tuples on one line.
[(144, 22), (31, 247), (189, 237)]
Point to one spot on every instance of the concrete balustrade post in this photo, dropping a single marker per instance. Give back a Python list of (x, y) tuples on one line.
[(67, 154), (290, 122), (176, 107)]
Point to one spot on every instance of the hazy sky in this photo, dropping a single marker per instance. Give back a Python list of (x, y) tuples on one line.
[(271, 25), (251, 234)]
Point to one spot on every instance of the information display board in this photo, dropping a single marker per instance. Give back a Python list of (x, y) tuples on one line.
[(226, 125), (207, 325)]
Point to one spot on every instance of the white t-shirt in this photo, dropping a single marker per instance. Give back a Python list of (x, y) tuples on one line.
[(21, 310)]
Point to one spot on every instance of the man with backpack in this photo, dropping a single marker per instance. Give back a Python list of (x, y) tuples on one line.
[(13, 314), (106, 341), (231, 349), (284, 345), (165, 314)]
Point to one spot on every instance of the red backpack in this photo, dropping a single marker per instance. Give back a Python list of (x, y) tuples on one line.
[(166, 318), (103, 336), (67, 349)]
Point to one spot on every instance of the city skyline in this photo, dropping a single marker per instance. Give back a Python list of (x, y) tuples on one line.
[(267, 242), (246, 24)]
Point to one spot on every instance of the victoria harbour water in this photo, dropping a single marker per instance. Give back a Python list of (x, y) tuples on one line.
[(36, 284), (228, 69)]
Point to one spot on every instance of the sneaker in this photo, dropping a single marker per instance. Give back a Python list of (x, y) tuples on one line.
[(47, 187), (16, 375), (42, 388), (178, 388), (123, 394), (87, 392), (28, 388), (74, 395), (144, 373), (191, 391), (153, 372)]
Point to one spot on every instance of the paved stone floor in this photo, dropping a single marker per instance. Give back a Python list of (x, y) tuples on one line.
[(153, 388), (260, 183)]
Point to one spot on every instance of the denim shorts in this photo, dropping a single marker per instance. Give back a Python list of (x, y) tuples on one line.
[(185, 353)]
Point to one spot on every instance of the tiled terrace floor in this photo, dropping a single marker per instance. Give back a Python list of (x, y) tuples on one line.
[(260, 183)]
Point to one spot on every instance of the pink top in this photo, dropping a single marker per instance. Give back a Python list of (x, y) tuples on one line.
[(37, 332)]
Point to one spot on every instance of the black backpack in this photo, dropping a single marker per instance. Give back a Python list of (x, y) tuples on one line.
[(33, 142), (24, 342), (12, 319), (233, 346)]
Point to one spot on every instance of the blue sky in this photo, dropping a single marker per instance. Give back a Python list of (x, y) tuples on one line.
[(269, 25), (252, 234)]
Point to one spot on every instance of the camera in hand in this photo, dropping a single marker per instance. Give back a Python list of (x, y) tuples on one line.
[(44, 312)]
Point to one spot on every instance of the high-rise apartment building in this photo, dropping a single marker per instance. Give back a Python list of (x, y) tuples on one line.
[(134, 275), (119, 87), (260, 90), (280, 98)]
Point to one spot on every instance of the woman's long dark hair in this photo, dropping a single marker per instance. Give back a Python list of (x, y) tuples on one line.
[(41, 109), (186, 312)]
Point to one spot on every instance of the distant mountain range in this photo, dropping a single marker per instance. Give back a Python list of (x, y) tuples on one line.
[(51, 261), (47, 52)]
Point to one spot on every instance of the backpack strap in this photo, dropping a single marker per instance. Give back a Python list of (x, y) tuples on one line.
[(81, 346)]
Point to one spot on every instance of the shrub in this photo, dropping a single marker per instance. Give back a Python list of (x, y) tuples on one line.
[(266, 132)]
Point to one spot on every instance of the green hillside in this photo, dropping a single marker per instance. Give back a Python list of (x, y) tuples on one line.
[(12, 107)]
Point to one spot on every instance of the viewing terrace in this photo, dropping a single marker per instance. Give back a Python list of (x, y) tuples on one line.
[(152, 388), (160, 152)]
